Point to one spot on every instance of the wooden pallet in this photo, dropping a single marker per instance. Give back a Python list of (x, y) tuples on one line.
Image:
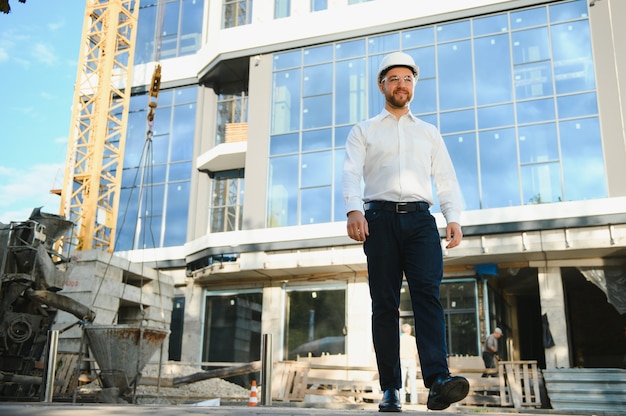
[(519, 384)]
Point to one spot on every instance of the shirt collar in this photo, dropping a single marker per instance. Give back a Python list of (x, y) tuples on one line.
[(384, 114)]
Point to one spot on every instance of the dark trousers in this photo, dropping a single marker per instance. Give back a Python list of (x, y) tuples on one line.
[(410, 244), (489, 359)]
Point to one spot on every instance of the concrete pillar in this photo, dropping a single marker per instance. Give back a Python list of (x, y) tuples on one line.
[(359, 345), (273, 319), (553, 304), (193, 331)]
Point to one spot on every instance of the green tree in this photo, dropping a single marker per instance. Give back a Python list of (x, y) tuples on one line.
[(5, 7)]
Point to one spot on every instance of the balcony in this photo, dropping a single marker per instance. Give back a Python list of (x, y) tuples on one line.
[(228, 155)]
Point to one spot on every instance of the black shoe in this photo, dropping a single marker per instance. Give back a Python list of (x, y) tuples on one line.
[(447, 390), (390, 401)]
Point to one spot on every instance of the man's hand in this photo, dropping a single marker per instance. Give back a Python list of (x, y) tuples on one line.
[(454, 234), (357, 226)]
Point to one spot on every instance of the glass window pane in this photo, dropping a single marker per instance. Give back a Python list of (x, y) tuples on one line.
[(541, 183), (425, 97), (284, 143), (281, 8), (456, 87), (530, 45), (581, 150), (318, 80), (384, 43), (192, 17), (528, 18), (185, 95), (283, 191), (536, 110), (350, 91), (453, 31), (573, 62), (317, 139), (232, 330), (180, 171), (316, 321), (287, 59), (318, 54), (490, 24), (317, 111), (177, 214), (183, 130), (498, 170), (577, 105), (286, 101), (533, 80), (317, 5), (145, 28), (455, 121), (338, 158), (316, 205), (567, 11), (341, 135), (418, 37), (496, 116), (493, 75), (462, 150), (317, 169), (425, 60), (350, 49), (538, 143)]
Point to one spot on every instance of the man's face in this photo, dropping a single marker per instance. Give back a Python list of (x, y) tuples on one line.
[(397, 86)]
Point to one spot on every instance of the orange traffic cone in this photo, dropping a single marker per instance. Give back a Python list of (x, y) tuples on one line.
[(253, 400)]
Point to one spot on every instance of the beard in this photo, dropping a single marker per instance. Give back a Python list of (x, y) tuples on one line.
[(400, 100)]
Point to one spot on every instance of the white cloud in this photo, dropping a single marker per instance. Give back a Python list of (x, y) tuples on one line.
[(4, 55), (25, 189), (45, 54), (60, 140)]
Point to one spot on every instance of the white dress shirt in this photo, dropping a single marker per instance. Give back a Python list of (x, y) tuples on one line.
[(396, 160)]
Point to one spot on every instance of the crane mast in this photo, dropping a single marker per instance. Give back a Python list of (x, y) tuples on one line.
[(93, 170)]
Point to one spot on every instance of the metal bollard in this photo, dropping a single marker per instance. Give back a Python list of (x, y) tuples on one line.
[(51, 364), (266, 370)]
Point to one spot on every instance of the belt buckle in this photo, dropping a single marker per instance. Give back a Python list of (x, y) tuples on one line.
[(402, 205)]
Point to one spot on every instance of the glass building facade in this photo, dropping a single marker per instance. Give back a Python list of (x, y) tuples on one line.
[(512, 93)]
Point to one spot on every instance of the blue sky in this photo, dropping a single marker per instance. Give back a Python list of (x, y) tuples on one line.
[(39, 47)]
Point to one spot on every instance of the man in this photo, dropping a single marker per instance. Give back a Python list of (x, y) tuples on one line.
[(408, 363), (396, 155), (490, 349)]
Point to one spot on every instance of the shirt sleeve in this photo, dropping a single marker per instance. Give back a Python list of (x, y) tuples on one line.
[(448, 190), (353, 170)]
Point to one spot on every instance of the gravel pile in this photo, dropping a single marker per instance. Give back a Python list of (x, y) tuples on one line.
[(197, 391)]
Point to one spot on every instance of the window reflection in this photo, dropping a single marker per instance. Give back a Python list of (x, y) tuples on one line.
[(283, 191), (157, 173), (492, 60), (538, 143), (463, 152), (496, 116), (315, 322), (456, 87), (498, 153), (164, 21), (541, 183), (533, 80), (530, 45), (582, 152), (497, 86)]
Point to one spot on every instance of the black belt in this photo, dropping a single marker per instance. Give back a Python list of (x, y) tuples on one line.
[(397, 207)]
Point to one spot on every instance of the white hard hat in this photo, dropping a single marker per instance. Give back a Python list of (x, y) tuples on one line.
[(397, 59)]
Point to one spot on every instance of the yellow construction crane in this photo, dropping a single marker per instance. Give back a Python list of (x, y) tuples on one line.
[(93, 171)]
